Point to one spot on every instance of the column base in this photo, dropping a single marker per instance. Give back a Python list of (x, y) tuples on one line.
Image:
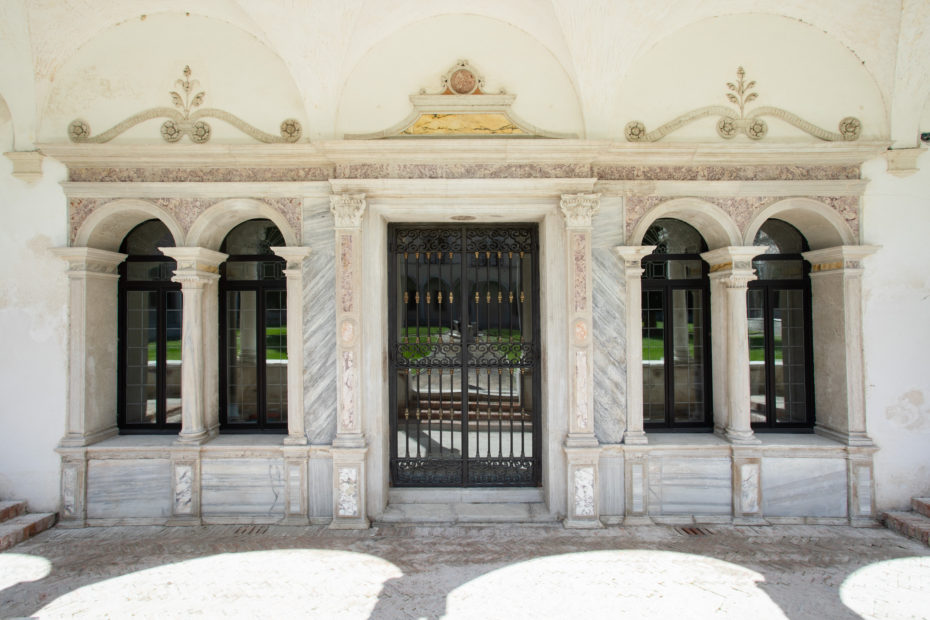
[(743, 438), (293, 440), (349, 524), (192, 439), (854, 438), (750, 521), (635, 438), (76, 440), (582, 524)]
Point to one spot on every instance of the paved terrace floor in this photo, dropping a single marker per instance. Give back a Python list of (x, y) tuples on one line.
[(501, 571)]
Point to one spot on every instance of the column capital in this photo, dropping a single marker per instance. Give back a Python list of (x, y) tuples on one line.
[(294, 255), (578, 209), (841, 257), (734, 257), (90, 260), (347, 209), (195, 259), (632, 256)]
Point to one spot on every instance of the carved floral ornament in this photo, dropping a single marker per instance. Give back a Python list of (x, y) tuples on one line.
[(185, 120), (749, 123)]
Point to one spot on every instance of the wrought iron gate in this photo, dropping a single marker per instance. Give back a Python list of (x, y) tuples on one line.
[(464, 355)]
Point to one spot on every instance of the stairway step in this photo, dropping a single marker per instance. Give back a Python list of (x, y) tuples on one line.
[(921, 505), (467, 513), (22, 527), (911, 524), (10, 510)]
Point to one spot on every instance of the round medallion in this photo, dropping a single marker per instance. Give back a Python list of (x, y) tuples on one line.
[(462, 82)]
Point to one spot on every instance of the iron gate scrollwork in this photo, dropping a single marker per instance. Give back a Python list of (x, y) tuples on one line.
[(464, 355)]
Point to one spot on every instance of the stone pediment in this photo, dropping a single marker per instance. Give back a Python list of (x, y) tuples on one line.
[(461, 109)]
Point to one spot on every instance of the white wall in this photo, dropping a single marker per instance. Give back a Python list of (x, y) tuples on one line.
[(896, 282), (33, 335)]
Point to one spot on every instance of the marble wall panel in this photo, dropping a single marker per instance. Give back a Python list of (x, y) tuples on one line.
[(696, 486), (242, 487), (803, 487), (320, 491), (609, 377), (126, 488), (610, 474), (319, 325)]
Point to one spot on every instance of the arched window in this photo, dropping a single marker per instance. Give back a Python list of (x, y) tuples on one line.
[(779, 308), (253, 330), (149, 382), (676, 329)]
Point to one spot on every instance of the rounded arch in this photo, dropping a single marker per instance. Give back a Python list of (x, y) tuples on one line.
[(105, 228), (212, 226), (710, 220), (821, 226)]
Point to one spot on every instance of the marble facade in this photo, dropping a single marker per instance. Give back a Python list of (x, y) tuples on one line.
[(599, 465)]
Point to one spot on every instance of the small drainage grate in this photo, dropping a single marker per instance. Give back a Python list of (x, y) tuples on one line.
[(693, 531), (252, 529)]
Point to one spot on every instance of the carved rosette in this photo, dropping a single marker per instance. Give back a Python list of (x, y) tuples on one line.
[(347, 209)]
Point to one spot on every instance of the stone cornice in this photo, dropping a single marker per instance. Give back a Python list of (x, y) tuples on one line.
[(195, 190), (842, 187), (438, 151)]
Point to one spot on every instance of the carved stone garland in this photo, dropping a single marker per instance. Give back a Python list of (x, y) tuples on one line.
[(752, 125), (184, 121)]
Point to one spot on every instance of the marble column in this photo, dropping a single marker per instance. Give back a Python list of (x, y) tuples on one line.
[(92, 344), (730, 273), (296, 435), (836, 301), (632, 257), (198, 274), (349, 447), (581, 446)]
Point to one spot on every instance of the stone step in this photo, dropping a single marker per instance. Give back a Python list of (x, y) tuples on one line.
[(22, 527), (921, 505), (467, 513), (911, 524), (9, 510)]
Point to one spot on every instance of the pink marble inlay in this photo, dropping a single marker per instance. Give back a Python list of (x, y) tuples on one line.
[(581, 268), (346, 262)]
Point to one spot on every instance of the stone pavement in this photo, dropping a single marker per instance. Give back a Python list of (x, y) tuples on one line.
[(487, 572)]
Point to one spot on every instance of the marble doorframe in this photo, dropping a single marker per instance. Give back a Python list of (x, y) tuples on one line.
[(480, 201)]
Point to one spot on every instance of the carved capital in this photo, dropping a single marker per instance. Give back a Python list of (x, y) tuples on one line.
[(348, 209), (845, 258), (293, 255), (632, 257), (578, 209), (82, 260)]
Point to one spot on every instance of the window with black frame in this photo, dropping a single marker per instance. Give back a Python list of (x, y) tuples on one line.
[(676, 329), (149, 328), (779, 310), (253, 330)]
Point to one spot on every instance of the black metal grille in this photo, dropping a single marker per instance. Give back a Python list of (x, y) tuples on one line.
[(464, 353)]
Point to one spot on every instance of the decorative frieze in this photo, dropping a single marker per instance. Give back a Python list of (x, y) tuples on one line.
[(606, 172), (200, 174), (461, 171)]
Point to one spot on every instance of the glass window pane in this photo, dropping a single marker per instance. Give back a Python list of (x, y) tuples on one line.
[(779, 269), (150, 271), (141, 357), (687, 333), (241, 357), (780, 237), (276, 356), (672, 236), (255, 270), (790, 357), (672, 269), (653, 357), (755, 302), (252, 238), (173, 315), (146, 238)]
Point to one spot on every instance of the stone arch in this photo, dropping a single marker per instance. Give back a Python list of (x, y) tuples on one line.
[(107, 226), (717, 228), (212, 226), (821, 226)]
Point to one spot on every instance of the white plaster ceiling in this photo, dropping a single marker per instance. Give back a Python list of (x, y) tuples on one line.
[(596, 41)]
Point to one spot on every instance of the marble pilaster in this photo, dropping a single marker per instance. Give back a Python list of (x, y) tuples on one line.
[(349, 447), (185, 486), (730, 273), (747, 485), (198, 274), (73, 508), (581, 446), (296, 496), (294, 272), (836, 292), (636, 485), (860, 474), (92, 338), (631, 258)]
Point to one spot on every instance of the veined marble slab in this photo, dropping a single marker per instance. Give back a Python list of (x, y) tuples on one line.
[(803, 487), (126, 488), (610, 473), (235, 487), (609, 308), (319, 325), (320, 487), (697, 486)]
